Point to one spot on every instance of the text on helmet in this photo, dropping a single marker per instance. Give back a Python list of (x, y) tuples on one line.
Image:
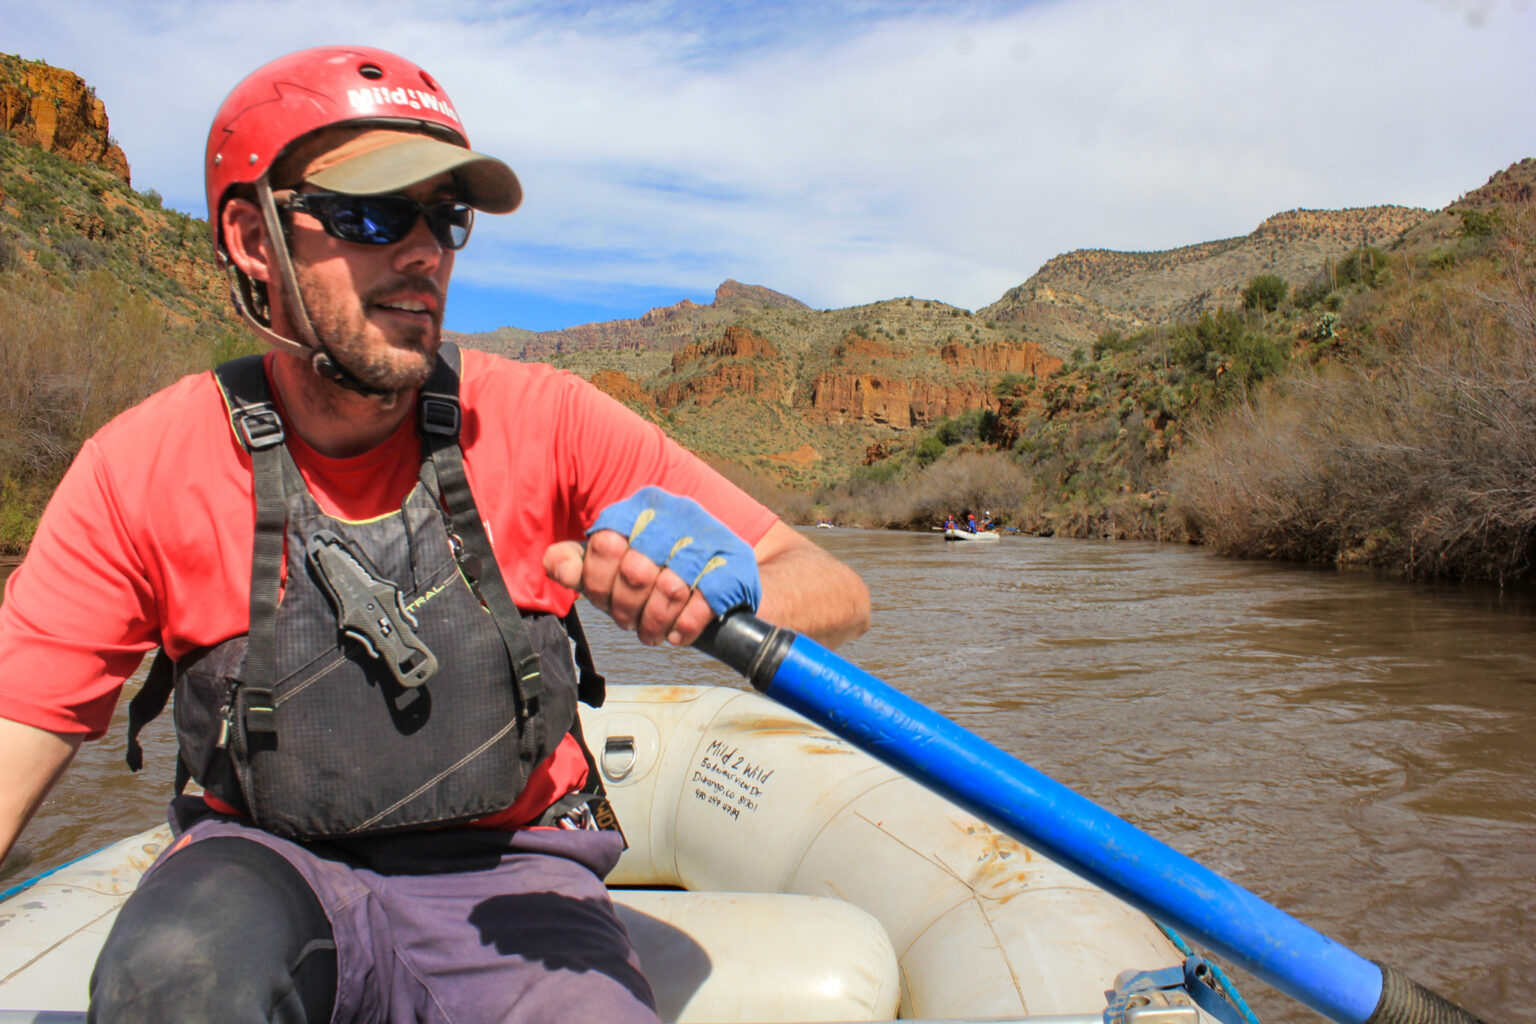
[(415, 99)]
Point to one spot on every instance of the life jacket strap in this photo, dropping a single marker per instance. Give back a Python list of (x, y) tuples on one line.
[(147, 704), (440, 419), (256, 423), (591, 686), (145, 707)]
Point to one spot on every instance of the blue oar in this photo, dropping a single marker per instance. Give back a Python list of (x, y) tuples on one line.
[(1074, 831)]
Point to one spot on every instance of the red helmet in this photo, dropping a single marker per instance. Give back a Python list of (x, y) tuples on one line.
[(285, 100), (290, 99)]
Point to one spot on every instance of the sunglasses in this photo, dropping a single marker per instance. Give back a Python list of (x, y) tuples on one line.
[(384, 219)]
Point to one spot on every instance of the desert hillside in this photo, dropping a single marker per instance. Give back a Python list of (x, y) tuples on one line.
[(816, 393)]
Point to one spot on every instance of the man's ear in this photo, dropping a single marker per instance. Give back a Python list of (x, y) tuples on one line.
[(245, 239)]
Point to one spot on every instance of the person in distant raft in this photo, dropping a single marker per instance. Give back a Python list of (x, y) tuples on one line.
[(399, 820)]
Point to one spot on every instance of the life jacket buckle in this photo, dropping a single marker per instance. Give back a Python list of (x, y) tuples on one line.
[(439, 416), (260, 427), (258, 709)]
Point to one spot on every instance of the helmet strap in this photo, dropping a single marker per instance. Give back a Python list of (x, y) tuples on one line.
[(308, 344), (241, 290)]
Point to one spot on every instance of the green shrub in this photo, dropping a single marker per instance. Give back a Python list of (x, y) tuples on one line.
[(928, 450), (1312, 293), (1007, 384), (1111, 341), (1222, 343), (1265, 292), (1365, 266), (1478, 223), (1415, 453)]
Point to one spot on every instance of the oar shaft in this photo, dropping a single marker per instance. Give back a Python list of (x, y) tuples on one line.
[(1077, 833)]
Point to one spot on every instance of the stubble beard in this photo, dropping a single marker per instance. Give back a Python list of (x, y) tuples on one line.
[(396, 366)]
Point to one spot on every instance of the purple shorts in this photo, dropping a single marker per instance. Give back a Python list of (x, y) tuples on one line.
[(468, 926)]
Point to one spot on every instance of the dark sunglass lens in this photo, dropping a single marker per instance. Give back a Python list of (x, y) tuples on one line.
[(377, 220), (450, 223)]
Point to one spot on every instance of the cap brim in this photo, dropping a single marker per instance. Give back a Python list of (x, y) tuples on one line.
[(484, 182)]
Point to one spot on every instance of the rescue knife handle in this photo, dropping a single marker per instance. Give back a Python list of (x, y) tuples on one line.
[(370, 611)]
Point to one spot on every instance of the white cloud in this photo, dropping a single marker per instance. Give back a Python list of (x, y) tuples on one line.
[(943, 150)]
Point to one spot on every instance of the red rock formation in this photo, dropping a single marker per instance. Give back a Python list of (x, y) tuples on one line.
[(856, 346), (54, 110), (737, 342), (878, 452), (706, 389), (1023, 358), (622, 387), (843, 399)]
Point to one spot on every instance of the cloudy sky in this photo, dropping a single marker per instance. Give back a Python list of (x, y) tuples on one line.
[(844, 151)]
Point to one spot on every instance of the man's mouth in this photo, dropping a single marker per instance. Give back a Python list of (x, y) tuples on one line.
[(417, 301), (407, 306)]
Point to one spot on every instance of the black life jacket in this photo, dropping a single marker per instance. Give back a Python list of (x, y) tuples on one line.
[(392, 684)]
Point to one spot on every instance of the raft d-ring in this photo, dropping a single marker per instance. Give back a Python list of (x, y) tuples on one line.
[(618, 757)]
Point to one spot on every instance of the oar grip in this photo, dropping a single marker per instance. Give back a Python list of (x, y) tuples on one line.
[(1405, 1001), (747, 644)]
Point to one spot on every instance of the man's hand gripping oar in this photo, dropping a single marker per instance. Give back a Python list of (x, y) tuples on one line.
[(659, 565)]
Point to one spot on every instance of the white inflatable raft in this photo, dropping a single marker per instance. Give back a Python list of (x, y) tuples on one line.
[(775, 873), (968, 535)]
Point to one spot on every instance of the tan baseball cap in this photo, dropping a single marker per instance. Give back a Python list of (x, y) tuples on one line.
[(379, 160)]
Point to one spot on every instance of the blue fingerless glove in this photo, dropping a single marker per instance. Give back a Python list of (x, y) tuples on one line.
[(680, 534)]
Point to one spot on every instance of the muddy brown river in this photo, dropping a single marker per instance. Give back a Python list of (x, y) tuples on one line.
[(1358, 751)]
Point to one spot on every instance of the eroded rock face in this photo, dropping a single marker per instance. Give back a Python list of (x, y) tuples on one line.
[(843, 399), (55, 110), (1024, 359), (729, 378), (621, 386), (736, 343)]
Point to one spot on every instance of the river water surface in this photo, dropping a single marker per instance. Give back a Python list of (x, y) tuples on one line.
[(1358, 751)]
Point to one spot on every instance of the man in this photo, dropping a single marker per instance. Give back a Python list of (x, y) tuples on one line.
[(315, 540)]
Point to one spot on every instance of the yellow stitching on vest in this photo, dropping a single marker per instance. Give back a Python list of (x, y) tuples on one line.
[(359, 522)]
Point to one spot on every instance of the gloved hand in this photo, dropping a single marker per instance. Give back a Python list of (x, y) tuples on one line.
[(678, 533), (660, 565)]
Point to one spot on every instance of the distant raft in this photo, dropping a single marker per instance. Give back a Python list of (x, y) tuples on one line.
[(968, 535)]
